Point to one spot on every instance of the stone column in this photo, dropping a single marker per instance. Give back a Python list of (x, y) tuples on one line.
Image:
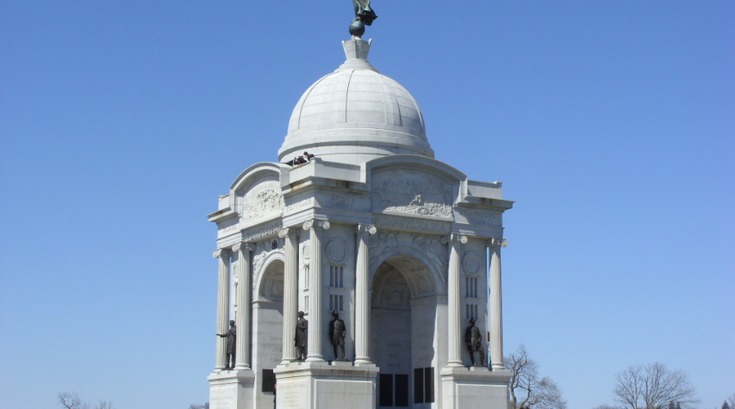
[(223, 306), (290, 293), (316, 332), (454, 298), (496, 305), (244, 288), (362, 296)]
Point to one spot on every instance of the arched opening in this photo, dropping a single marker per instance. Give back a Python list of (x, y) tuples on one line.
[(267, 329), (403, 344)]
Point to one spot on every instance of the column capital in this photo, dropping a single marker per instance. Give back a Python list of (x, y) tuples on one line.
[(497, 242), (244, 246), (288, 231), (221, 253), (316, 223), (367, 228), (458, 238)]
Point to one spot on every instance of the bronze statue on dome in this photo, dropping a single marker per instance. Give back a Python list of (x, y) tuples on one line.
[(364, 16)]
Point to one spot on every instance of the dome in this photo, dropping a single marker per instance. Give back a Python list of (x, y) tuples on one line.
[(355, 114)]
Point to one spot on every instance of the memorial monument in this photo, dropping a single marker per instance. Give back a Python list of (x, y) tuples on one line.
[(402, 250)]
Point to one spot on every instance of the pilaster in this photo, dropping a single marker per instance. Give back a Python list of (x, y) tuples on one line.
[(290, 293), (316, 332), (496, 305), (362, 296), (223, 306), (454, 301)]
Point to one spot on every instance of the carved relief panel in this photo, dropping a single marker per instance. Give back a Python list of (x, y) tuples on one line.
[(261, 201), (411, 192)]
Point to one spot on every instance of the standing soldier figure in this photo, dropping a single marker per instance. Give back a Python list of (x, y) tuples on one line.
[(337, 333), (231, 336), (473, 339)]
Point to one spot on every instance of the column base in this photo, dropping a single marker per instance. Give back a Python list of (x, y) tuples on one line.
[(474, 387), (231, 389), (319, 385)]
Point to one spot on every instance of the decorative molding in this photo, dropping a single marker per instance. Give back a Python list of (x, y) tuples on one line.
[(269, 229)]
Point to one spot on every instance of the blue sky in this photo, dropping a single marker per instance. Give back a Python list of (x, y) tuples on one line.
[(611, 124)]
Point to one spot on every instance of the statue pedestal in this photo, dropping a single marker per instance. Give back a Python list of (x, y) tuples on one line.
[(231, 389), (474, 387), (312, 385)]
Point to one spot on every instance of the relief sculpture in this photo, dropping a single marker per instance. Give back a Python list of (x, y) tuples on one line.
[(434, 250), (412, 192), (381, 242), (263, 200)]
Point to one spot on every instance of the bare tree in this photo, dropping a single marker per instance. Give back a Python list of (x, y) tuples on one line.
[(72, 401), (527, 389), (654, 386)]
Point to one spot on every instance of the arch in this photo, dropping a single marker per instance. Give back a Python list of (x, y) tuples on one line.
[(404, 321), (266, 278), (416, 267)]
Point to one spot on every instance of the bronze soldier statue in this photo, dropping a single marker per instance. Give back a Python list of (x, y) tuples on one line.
[(301, 337), (337, 333), (473, 339), (231, 335)]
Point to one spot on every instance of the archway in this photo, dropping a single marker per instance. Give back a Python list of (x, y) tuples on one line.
[(403, 344), (267, 329)]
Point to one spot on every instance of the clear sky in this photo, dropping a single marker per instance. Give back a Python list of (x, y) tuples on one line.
[(611, 124)]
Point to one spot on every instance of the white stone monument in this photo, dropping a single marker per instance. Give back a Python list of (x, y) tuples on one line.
[(402, 246)]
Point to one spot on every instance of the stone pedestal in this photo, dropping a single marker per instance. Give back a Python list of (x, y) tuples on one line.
[(231, 389), (474, 387), (307, 385)]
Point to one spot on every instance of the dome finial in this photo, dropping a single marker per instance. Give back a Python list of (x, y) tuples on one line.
[(364, 16)]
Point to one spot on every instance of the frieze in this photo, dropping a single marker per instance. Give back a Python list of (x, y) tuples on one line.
[(412, 192), (398, 223), (256, 233)]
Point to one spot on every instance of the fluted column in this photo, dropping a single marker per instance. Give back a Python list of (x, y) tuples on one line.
[(454, 297), (496, 305), (290, 294), (223, 306), (316, 333), (242, 320), (362, 295)]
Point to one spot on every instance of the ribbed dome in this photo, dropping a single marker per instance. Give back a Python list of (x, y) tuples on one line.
[(356, 114)]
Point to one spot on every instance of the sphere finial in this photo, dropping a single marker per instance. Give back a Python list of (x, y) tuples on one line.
[(364, 16)]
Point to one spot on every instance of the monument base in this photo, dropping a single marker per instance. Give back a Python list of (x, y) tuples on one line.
[(312, 385), (231, 389), (475, 387)]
